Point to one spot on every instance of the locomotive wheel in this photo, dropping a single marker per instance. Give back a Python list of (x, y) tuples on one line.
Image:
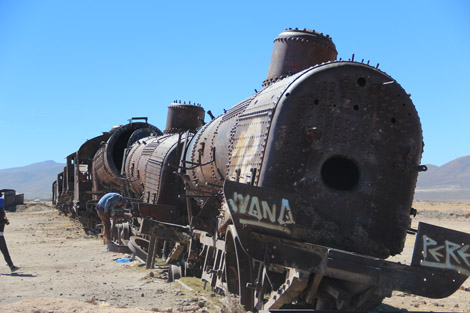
[(120, 233), (174, 273), (113, 232), (123, 233), (139, 247), (238, 269)]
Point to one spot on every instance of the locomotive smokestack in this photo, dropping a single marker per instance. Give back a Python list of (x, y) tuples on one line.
[(183, 117), (295, 50)]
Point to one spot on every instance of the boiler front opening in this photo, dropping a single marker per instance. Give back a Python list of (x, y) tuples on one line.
[(340, 173)]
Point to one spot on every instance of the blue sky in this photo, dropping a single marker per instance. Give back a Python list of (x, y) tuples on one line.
[(70, 70)]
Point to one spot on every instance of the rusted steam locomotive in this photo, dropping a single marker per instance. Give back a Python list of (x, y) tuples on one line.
[(292, 198)]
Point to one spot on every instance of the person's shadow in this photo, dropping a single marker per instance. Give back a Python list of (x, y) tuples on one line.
[(19, 275)]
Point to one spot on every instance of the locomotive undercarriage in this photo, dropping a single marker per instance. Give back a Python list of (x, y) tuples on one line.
[(285, 274), (292, 275)]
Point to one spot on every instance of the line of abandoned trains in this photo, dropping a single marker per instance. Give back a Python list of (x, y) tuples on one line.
[(293, 198)]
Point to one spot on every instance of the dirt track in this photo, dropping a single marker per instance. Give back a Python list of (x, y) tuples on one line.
[(59, 260), (66, 270)]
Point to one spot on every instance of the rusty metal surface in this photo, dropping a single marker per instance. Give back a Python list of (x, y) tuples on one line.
[(136, 162), (83, 172), (70, 173), (161, 185), (54, 192), (200, 161), (353, 267), (213, 270), (263, 217), (107, 162), (348, 137), (165, 231), (294, 285), (149, 171), (208, 154), (149, 168), (139, 247), (65, 186), (297, 49), (238, 269), (248, 140), (183, 117), (58, 188), (159, 212), (268, 211), (441, 248)]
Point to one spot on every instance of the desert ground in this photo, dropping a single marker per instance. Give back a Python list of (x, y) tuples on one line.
[(64, 269)]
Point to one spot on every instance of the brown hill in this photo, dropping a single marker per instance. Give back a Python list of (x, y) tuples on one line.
[(449, 182), (34, 180)]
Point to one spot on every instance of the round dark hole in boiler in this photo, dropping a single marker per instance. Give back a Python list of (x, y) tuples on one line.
[(340, 173), (356, 107), (316, 101), (361, 81), (394, 120)]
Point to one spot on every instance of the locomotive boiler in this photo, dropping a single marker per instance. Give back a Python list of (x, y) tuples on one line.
[(294, 197)]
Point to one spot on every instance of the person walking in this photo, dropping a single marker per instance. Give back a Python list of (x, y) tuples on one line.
[(105, 206), (3, 245)]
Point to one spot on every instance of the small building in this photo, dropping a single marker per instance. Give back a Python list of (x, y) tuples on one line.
[(11, 199)]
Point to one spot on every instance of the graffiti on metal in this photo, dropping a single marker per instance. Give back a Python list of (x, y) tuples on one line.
[(445, 255), (260, 212), (442, 248)]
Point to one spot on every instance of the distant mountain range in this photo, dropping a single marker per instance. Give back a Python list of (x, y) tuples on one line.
[(449, 182), (34, 180)]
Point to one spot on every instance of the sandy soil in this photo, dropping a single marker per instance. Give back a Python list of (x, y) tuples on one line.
[(60, 263), (65, 270)]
